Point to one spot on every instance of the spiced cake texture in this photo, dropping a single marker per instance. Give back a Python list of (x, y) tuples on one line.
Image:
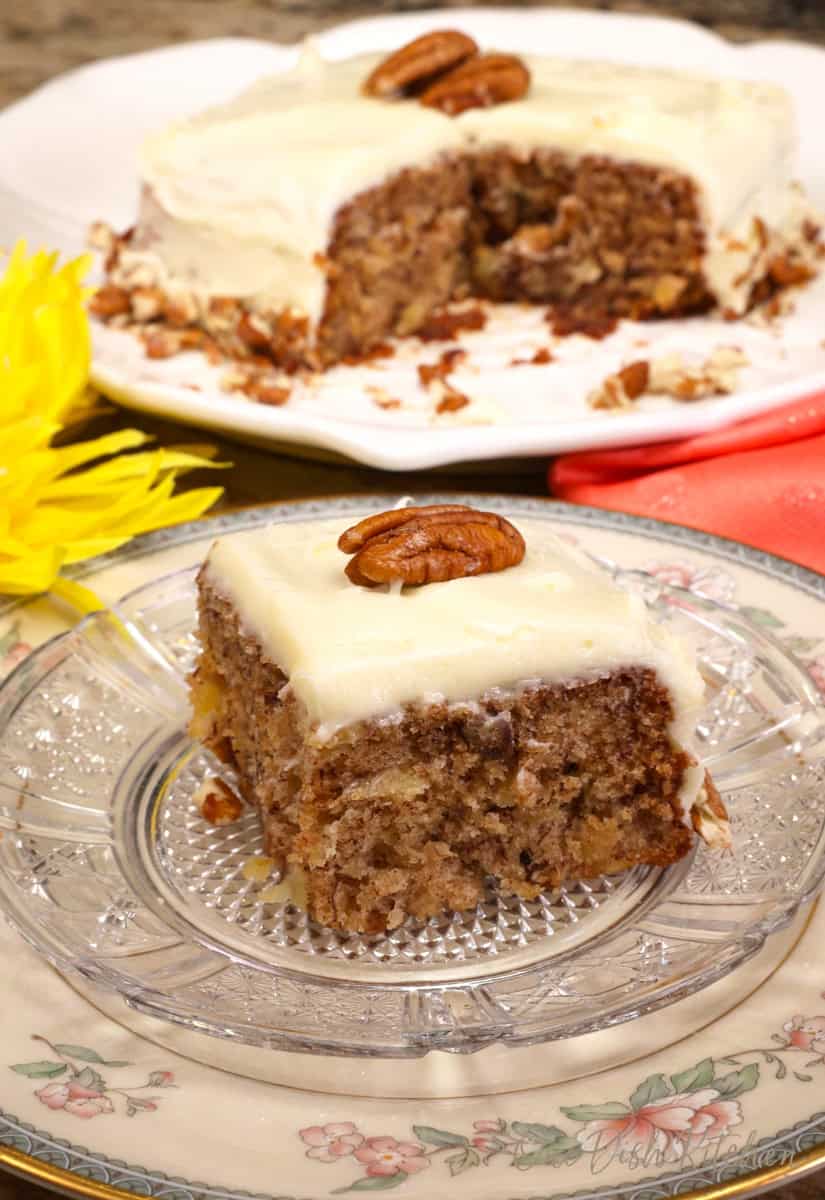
[(306, 222), (396, 768)]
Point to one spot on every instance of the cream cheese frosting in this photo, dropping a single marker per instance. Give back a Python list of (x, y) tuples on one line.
[(241, 200), (353, 653)]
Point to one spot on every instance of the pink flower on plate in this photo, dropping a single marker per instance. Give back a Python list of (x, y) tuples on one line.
[(488, 1126), (806, 1033), (77, 1100), (330, 1142), (816, 670), (14, 655), (666, 1127), (162, 1079), (709, 582), (386, 1156)]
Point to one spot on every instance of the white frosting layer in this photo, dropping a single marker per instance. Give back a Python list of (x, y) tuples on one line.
[(240, 201), (353, 653)]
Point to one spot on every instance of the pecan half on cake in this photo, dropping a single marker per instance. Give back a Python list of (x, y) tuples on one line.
[(341, 203), (458, 699)]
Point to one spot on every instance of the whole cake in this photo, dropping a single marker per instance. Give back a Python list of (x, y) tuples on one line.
[(341, 203), (459, 700)]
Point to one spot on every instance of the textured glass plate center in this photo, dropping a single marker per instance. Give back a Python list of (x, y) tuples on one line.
[(220, 872)]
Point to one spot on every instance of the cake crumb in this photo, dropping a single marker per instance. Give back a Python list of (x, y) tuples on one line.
[(442, 326), (261, 384), (718, 375), (451, 400), (671, 375), (564, 323), (441, 368), (382, 350), (382, 399), (539, 358), (710, 819), (292, 889), (217, 802), (621, 389), (258, 868)]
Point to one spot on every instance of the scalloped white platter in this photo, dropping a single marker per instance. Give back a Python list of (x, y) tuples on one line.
[(67, 159), (701, 1101)]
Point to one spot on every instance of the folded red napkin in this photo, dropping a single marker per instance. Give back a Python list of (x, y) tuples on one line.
[(761, 481)]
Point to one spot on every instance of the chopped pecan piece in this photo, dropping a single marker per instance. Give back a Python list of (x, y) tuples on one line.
[(565, 322), (440, 326), (480, 82), (271, 394), (147, 304), (429, 544), (709, 817), (162, 343), (110, 301), (635, 377), (785, 272), (452, 400), (450, 359), (419, 61), (217, 803), (541, 356)]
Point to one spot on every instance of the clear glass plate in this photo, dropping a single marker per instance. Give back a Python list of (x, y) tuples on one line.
[(108, 868)]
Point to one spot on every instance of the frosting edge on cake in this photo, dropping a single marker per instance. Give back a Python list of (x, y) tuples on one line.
[(355, 654), (308, 142)]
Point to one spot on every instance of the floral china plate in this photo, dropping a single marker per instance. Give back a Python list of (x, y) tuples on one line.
[(379, 414), (726, 1104)]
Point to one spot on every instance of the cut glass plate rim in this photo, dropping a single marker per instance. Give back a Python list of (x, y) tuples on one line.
[(571, 515)]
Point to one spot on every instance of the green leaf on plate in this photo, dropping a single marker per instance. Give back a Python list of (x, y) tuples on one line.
[(737, 1082), (439, 1137), (802, 645), (655, 1087), (463, 1160), (81, 1053), (596, 1112), (762, 616), (373, 1183), (700, 1076), (555, 1154), (40, 1070), (537, 1133)]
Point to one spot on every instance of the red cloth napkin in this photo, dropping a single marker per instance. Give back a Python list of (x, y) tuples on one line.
[(761, 481)]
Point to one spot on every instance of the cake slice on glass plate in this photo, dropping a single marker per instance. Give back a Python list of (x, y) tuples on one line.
[(432, 698)]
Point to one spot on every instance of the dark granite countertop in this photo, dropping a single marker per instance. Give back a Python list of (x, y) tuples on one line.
[(41, 38)]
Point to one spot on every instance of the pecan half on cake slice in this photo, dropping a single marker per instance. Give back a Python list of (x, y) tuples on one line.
[(458, 699)]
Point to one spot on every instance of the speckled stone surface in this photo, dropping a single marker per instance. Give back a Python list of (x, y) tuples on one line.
[(41, 38)]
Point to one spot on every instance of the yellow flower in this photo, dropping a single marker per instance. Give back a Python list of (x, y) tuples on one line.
[(61, 504)]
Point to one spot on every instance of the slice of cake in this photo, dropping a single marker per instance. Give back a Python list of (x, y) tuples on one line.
[(457, 700), (341, 203)]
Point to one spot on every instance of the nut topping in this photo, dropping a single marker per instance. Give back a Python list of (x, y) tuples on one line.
[(217, 803), (429, 544), (635, 378), (445, 70), (709, 817), (418, 61), (481, 82)]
